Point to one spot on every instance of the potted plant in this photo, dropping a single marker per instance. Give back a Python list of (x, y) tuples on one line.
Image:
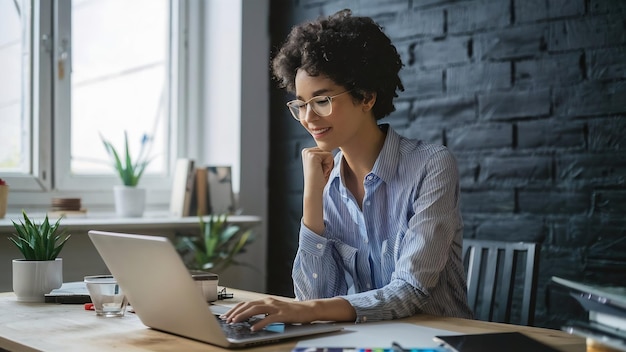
[(130, 201), (216, 247), (4, 195), (40, 271)]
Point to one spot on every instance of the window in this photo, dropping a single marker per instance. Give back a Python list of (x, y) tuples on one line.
[(78, 69), (119, 77), (15, 23)]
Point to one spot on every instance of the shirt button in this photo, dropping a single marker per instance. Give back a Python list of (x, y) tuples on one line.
[(320, 246), (366, 240), (368, 286), (367, 203), (369, 177), (315, 275), (364, 319)]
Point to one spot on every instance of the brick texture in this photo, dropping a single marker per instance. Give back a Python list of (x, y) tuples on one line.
[(530, 96)]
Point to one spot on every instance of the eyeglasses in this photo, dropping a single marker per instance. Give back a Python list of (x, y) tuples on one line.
[(321, 105)]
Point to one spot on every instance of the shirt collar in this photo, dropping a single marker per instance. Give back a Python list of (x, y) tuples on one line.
[(386, 164), (387, 161)]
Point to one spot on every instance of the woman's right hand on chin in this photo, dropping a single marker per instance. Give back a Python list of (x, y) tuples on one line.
[(316, 165)]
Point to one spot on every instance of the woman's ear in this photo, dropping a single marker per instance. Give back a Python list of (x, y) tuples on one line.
[(369, 99)]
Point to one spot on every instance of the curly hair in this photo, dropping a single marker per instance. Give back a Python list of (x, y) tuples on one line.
[(352, 51)]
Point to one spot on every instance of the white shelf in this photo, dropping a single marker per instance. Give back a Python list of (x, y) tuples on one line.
[(151, 221)]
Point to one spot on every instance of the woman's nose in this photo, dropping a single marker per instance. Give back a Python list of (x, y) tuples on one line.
[(309, 114)]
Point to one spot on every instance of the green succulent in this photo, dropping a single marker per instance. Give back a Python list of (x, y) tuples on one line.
[(216, 246), (38, 242)]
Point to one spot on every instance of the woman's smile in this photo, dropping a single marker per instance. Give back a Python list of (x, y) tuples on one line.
[(318, 133)]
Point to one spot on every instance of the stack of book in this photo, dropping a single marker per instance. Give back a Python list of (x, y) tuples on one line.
[(67, 207), (606, 305), (201, 190)]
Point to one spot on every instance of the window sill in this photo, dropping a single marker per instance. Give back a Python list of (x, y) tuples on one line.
[(152, 222)]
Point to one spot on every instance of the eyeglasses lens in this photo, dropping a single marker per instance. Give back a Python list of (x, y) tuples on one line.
[(295, 111), (322, 106)]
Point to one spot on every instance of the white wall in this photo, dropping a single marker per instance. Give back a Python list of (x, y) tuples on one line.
[(235, 105)]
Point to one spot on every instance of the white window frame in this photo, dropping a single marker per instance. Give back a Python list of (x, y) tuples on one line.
[(50, 121), (36, 106)]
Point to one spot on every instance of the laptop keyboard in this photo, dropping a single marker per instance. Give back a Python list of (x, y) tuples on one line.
[(242, 330)]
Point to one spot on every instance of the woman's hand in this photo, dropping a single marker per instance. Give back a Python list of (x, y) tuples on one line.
[(316, 165), (280, 311), (275, 311)]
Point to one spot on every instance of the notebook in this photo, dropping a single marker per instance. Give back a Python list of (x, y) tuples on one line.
[(493, 342), (608, 295), (165, 297)]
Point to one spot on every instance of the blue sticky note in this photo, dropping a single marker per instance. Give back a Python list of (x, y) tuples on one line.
[(276, 327)]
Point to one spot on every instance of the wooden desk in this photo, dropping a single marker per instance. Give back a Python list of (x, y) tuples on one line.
[(64, 327)]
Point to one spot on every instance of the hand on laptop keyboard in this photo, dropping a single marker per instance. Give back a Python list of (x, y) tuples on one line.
[(242, 329)]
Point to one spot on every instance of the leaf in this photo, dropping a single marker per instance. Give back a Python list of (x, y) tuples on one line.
[(229, 233), (217, 245), (38, 242), (186, 243)]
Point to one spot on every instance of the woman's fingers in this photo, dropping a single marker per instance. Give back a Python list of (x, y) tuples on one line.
[(317, 165), (275, 311), (244, 310)]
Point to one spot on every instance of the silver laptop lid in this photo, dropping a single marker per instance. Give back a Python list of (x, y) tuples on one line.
[(158, 285), (163, 294)]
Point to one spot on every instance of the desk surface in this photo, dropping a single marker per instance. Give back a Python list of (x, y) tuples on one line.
[(65, 327)]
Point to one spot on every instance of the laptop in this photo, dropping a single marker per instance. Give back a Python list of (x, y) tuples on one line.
[(165, 297)]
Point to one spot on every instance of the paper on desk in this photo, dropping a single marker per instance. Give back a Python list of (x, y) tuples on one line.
[(71, 288), (379, 334)]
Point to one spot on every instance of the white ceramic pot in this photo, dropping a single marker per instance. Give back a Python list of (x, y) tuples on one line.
[(32, 279), (130, 202)]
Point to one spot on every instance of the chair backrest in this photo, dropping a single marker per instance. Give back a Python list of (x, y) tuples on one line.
[(495, 272)]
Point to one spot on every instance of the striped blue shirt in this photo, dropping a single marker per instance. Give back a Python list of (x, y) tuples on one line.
[(401, 254)]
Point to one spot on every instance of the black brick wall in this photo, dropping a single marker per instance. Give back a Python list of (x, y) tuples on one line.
[(530, 95)]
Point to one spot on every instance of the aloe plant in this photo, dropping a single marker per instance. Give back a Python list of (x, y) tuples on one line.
[(130, 171), (217, 245), (38, 242)]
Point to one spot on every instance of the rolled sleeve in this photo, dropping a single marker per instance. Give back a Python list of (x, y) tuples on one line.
[(312, 243), (317, 270)]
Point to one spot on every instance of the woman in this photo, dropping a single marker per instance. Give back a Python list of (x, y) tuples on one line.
[(381, 232)]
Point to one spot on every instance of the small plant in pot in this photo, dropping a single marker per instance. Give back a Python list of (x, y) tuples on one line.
[(129, 171), (213, 251), (129, 199), (217, 245), (40, 271)]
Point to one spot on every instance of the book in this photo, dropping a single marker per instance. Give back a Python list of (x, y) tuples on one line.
[(601, 310), (182, 186), (615, 295), (69, 293), (605, 304), (493, 342), (602, 334), (221, 196), (606, 307), (202, 191), (367, 349)]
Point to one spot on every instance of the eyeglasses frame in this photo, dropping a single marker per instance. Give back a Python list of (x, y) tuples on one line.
[(327, 97)]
